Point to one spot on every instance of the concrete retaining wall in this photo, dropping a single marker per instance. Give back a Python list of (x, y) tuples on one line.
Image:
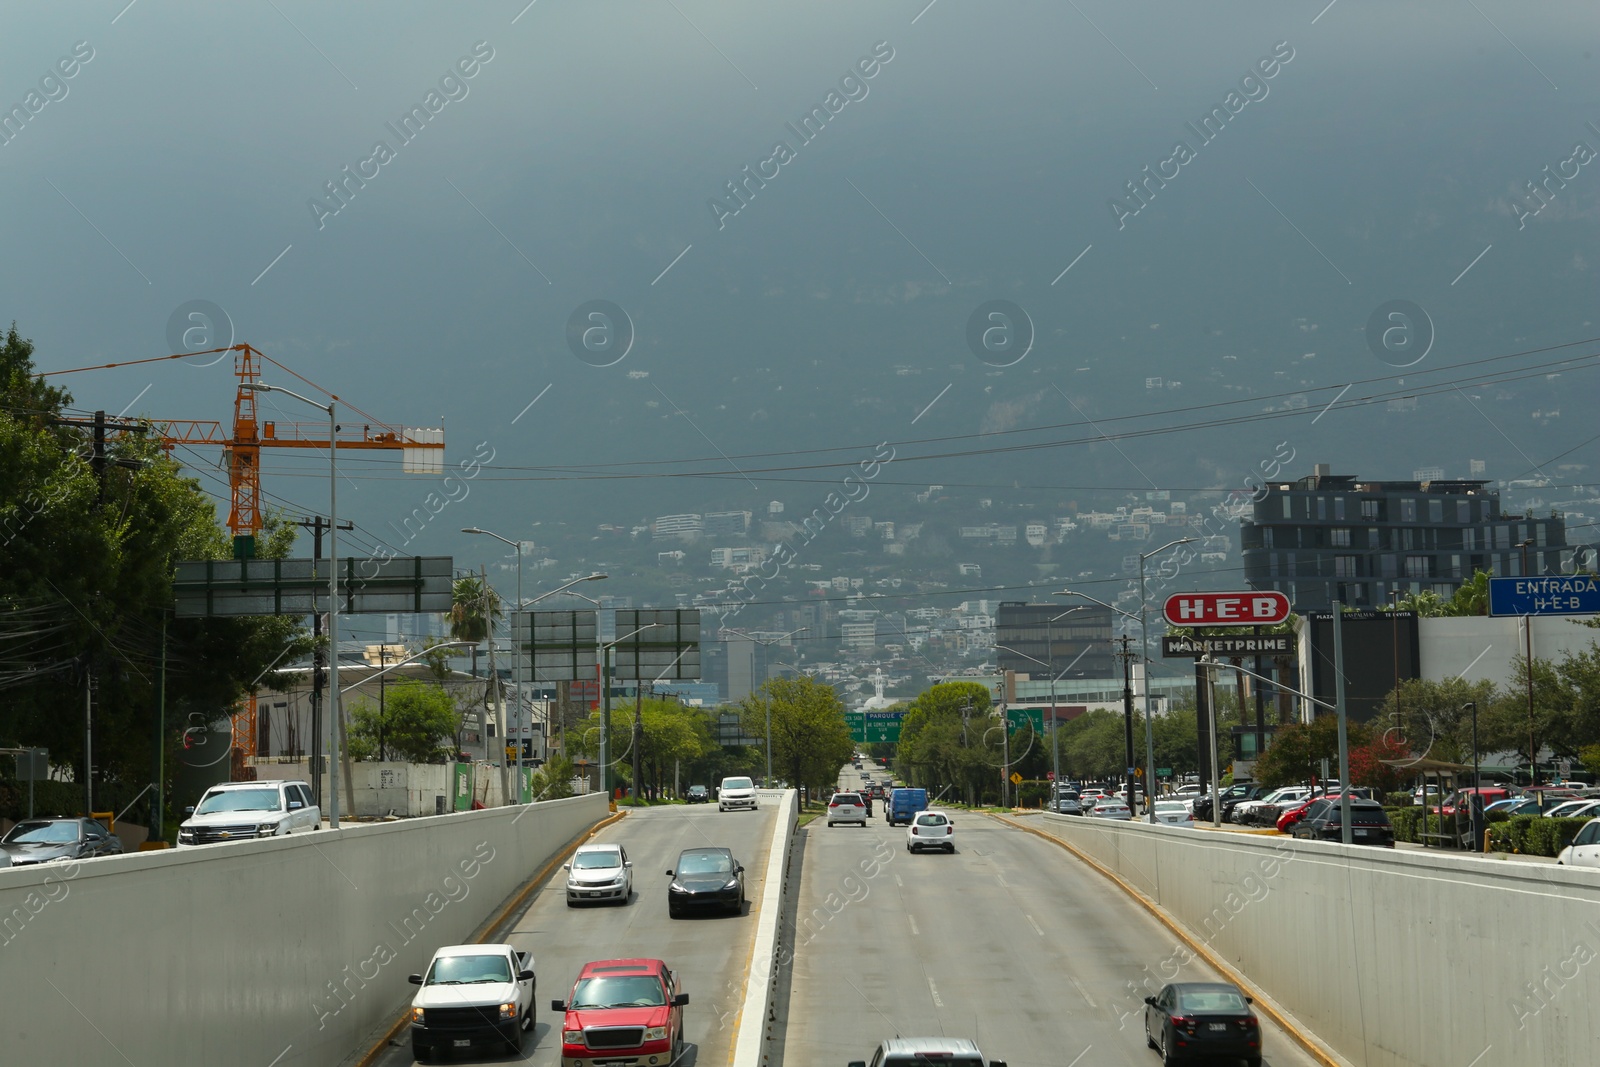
[(1390, 957), (294, 948)]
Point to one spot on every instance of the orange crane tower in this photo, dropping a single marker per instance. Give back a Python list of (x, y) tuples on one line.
[(422, 453)]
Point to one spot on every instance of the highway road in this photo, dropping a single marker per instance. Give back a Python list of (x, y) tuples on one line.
[(711, 953), (1011, 941)]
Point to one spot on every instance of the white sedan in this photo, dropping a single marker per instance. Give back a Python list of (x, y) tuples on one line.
[(1585, 848), (1110, 808), (1174, 813)]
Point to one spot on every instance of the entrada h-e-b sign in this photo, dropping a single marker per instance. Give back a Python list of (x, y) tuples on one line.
[(1254, 608)]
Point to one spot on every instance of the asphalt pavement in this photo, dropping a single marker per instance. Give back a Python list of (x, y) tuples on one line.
[(1011, 941), (710, 953)]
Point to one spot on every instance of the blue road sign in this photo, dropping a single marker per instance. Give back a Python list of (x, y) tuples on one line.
[(1569, 594)]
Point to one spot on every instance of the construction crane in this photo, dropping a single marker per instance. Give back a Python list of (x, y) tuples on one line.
[(422, 453)]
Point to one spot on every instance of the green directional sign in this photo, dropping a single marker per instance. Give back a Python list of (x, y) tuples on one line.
[(1164, 772), (1017, 718), (858, 725)]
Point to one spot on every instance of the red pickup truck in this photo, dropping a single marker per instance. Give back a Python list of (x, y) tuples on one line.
[(623, 1011)]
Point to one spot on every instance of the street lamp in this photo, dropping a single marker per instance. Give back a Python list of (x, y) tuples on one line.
[(1477, 782), (1055, 762), (334, 717), (1527, 630), (768, 702), (1144, 643), (1128, 712), (565, 587), (605, 709)]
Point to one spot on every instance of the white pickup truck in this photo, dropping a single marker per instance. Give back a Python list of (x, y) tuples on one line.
[(473, 995)]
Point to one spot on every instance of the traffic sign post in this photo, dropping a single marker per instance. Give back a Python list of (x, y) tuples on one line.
[(1017, 718), (1016, 779), (1569, 594)]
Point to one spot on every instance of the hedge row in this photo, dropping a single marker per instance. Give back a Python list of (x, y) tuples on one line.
[(65, 798), (1533, 835)]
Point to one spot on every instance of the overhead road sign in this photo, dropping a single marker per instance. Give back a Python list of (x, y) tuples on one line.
[(1266, 607), (563, 645), (1175, 646), (402, 584), (1033, 718), (1567, 594), (665, 645)]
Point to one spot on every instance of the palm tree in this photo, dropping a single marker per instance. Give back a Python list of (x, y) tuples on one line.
[(474, 611)]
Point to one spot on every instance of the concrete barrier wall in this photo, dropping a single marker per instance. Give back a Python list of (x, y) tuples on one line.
[(1390, 957), (286, 952)]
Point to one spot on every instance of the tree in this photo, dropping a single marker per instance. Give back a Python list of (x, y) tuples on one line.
[(810, 738), (86, 569), (1298, 750), (415, 721), (553, 781)]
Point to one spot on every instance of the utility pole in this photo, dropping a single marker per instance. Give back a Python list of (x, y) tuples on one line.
[(1527, 624), (156, 803), (492, 690), (316, 524), (1126, 655), (88, 738), (638, 732), (1345, 829)]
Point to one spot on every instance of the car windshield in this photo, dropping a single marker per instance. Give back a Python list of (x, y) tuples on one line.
[(1211, 1000), (42, 833), (738, 783), (239, 800), (1370, 817), (469, 970), (599, 859), (704, 863), (930, 820), (1169, 805), (620, 991), (1589, 835), (901, 1059)]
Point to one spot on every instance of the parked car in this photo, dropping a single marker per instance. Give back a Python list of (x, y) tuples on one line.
[(472, 995), (1067, 802), (244, 811), (1110, 808), (1245, 814), (1202, 1020), (1252, 793), (34, 841), (1574, 809), (597, 873), (1087, 797), (931, 829), (628, 1011), (697, 794), (1457, 799), (737, 794), (705, 878), (1237, 791), (847, 807), (923, 1051), (1369, 823), (1585, 848), (1173, 813)]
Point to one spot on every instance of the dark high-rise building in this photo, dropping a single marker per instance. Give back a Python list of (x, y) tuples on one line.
[(1079, 643), (1334, 537)]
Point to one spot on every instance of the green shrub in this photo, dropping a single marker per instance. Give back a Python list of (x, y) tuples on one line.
[(1531, 835)]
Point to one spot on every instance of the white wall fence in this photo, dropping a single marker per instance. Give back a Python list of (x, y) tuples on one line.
[(287, 951), (1390, 957)]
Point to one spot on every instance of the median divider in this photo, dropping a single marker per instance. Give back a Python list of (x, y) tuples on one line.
[(750, 1040)]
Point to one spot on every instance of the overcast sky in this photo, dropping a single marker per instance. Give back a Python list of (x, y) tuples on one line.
[(971, 152)]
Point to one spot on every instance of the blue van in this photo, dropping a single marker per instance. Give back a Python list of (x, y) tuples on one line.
[(903, 804)]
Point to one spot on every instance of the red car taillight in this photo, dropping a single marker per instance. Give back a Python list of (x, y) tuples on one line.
[(1180, 1022)]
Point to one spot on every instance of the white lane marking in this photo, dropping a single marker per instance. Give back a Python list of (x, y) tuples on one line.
[(1001, 879), (1035, 925), (1082, 992), (935, 991), (1082, 1054), (898, 882), (913, 923)]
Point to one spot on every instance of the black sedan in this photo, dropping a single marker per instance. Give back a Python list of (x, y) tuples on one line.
[(46, 840), (697, 794), (705, 878), (1202, 1021)]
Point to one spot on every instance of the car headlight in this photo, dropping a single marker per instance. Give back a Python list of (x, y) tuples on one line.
[(655, 1033), (186, 837), (416, 1015), (676, 888), (732, 885), (267, 829), (508, 1011), (572, 1037)]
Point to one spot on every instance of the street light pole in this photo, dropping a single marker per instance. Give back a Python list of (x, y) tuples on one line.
[(335, 750), (1144, 641), (1527, 630), (1128, 702), (768, 703), (1477, 783)]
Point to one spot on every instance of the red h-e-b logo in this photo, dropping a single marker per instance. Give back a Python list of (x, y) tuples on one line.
[(1265, 608)]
